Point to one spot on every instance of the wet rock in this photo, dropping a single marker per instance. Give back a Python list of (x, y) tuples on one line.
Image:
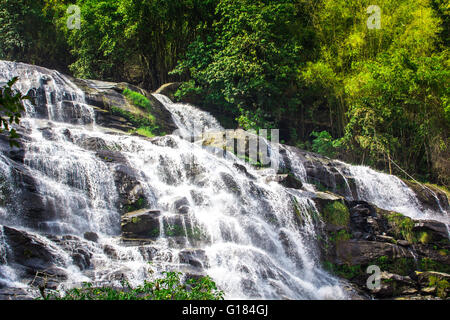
[(94, 144), (286, 180), (19, 294), (131, 193), (437, 231), (91, 236), (430, 197), (82, 258), (230, 183), (181, 205), (196, 258), (243, 169), (27, 250), (142, 224)]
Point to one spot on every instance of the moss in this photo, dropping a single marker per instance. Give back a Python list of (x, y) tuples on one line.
[(145, 131), (441, 286), (138, 99), (336, 213), (172, 230), (427, 264), (344, 271), (135, 220), (196, 234), (154, 232), (402, 227), (141, 203), (424, 237), (401, 266)]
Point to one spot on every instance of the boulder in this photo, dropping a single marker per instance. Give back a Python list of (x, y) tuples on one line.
[(361, 252), (437, 231), (141, 224), (286, 180), (29, 251), (91, 236)]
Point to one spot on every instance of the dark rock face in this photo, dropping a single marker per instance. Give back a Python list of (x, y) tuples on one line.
[(30, 252), (430, 197), (401, 247), (286, 180), (142, 224), (324, 173)]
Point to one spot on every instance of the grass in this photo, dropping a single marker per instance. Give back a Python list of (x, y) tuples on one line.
[(146, 132), (138, 99)]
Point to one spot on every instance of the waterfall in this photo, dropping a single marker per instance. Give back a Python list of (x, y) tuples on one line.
[(190, 120), (248, 237), (240, 220), (390, 193)]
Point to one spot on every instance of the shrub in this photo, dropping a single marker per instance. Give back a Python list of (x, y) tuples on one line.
[(168, 288)]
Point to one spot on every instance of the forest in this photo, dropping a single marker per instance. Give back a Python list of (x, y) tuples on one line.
[(312, 68)]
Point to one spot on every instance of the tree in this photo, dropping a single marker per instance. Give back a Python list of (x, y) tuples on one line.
[(11, 109)]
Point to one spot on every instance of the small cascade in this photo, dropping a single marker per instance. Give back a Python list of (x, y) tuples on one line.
[(390, 193), (191, 121)]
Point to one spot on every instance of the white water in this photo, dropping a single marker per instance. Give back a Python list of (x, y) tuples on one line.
[(242, 229), (390, 193), (244, 225)]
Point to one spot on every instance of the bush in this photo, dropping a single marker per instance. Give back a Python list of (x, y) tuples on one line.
[(168, 288)]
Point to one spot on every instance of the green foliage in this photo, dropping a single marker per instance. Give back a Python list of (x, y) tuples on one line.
[(11, 109), (336, 213), (402, 227), (138, 99), (428, 264), (168, 288), (345, 271), (146, 132), (325, 144), (441, 285)]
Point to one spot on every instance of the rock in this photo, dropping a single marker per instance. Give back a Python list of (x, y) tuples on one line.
[(403, 243), (93, 144), (362, 252), (286, 180), (394, 285), (434, 283), (91, 236), (326, 174), (243, 169), (230, 183), (82, 258), (196, 258), (29, 251), (430, 197), (19, 294), (142, 224), (436, 230), (131, 193), (181, 205)]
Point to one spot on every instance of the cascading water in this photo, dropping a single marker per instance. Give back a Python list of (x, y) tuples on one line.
[(390, 193), (248, 229), (253, 245)]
